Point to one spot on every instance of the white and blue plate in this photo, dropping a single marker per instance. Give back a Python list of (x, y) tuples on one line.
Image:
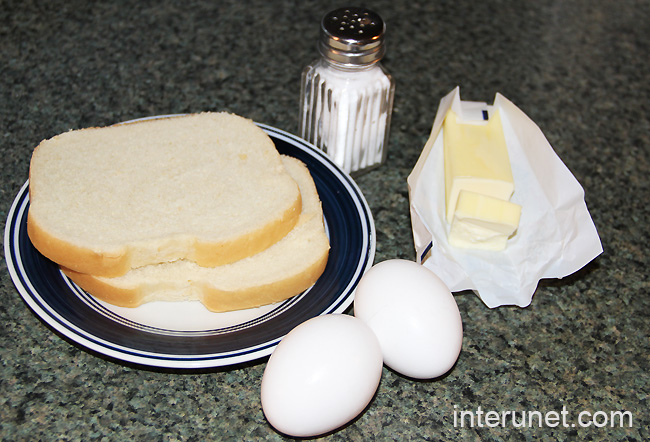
[(184, 334)]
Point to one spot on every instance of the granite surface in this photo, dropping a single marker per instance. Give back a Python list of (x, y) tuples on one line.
[(579, 69)]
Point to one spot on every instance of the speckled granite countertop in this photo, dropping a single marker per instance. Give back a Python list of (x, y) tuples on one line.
[(579, 69)]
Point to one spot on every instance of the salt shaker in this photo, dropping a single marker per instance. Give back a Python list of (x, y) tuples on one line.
[(346, 95)]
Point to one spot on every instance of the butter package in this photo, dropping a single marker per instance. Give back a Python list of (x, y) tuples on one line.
[(554, 237)]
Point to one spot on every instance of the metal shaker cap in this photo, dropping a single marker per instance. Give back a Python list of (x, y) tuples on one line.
[(352, 36)]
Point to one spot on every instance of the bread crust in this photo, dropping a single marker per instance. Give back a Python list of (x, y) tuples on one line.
[(113, 295), (74, 257)]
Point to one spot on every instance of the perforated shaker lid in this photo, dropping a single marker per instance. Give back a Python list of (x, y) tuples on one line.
[(352, 36)]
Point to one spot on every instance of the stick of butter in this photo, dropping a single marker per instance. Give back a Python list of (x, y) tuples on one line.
[(483, 222), (476, 159)]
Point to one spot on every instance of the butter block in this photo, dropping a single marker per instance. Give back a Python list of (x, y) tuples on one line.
[(483, 222), (476, 159)]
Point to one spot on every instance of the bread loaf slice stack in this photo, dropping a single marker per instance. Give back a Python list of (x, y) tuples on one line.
[(198, 207), (285, 269)]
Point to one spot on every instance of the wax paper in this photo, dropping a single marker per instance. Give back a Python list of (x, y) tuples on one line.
[(556, 235)]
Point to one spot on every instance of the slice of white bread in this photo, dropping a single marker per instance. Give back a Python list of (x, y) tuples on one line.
[(210, 188), (283, 270)]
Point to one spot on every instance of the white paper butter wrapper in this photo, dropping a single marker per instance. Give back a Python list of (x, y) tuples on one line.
[(556, 235)]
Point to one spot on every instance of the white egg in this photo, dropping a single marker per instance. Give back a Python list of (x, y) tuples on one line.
[(321, 375), (414, 316)]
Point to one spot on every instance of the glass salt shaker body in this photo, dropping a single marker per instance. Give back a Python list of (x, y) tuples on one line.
[(347, 95)]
